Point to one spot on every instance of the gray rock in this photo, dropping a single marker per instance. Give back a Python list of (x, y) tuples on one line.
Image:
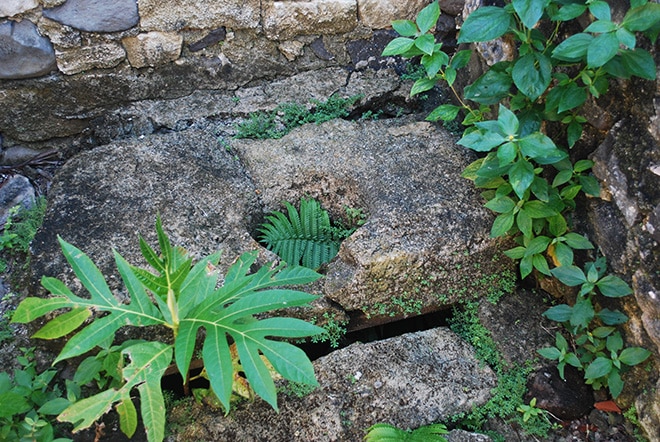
[(96, 15), (9, 8), (24, 53), (16, 191), (409, 381), (104, 198), (426, 226)]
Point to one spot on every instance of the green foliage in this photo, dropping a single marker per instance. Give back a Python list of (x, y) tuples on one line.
[(599, 347), (19, 230), (303, 238), (29, 402), (186, 299), (334, 330), (383, 432), (528, 179), (287, 116)]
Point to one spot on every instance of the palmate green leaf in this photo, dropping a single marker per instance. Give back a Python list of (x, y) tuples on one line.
[(139, 312), (485, 24), (148, 362), (63, 324)]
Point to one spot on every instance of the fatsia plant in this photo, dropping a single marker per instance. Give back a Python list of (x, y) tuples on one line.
[(183, 297)]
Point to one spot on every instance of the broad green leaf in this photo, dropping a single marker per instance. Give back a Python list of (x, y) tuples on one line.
[(32, 308), (422, 85), (515, 253), (405, 28), (574, 131), (634, 355), (549, 353), (541, 264), (583, 165), (601, 26), (569, 12), (600, 10), (564, 254), (613, 287), (626, 38), (569, 275), (521, 176), (614, 342), (54, 406), (484, 24), (524, 223), (128, 419), (589, 185), (444, 112), (526, 266), (615, 383), (532, 73), (398, 46), (530, 11), (480, 141), (490, 88), (63, 324), (428, 17), (506, 153), (450, 75), (559, 313), (600, 367), (610, 317), (539, 209), (602, 49), (642, 18), (460, 59), (562, 177), (541, 148), (502, 225), (507, 122), (572, 96), (501, 205), (87, 370), (639, 62), (574, 48), (12, 403), (434, 62), (537, 245), (577, 241), (557, 225), (583, 313), (425, 43)]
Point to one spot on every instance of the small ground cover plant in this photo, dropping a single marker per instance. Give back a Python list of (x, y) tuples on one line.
[(287, 116), (528, 178), (183, 297), (19, 230)]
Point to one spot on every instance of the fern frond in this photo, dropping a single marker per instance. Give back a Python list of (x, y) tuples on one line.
[(304, 237)]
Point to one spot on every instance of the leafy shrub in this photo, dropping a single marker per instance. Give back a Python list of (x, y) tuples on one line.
[(19, 231), (529, 180), (186, 299), (303, 238), (29, 402)]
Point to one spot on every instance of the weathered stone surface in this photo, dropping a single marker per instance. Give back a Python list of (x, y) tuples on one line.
[(291, 49), (568, 398), (284, 20), (409, 381), (16, 191), (23, 52), (101, 56), (96, 15), (378, 14), (424, 224), (104, 198), (9, 8), (61, 36), (153, 48), (175, 15)]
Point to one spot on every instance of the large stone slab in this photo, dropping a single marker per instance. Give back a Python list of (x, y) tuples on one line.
[(426, 227), (9, 8), (286, 19), (409, 381)]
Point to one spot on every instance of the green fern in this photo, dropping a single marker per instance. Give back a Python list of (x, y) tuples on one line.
[(383, 432), (303, 238)]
